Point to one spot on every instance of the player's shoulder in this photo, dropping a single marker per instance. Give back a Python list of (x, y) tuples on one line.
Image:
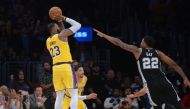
[(53, 36)]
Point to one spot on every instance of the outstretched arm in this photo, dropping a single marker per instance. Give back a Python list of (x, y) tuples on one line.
[(131, 48), (65, 33), (176, 67), (88, 97)]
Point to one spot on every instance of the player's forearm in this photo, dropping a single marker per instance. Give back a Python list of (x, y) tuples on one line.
[(111, 39), (84, 97), (140, 93), (118, 42), (75, 26)]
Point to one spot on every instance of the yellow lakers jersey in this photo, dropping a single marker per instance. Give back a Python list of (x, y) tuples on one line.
[(59, 50), (81, 86)]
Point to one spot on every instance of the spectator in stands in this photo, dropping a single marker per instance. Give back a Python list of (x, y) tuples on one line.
[(47, 84), (96, 81), (142, 102), (94, 103), (21, 82), (20, 100), (11, 82), (95, 85), (114, 100), (110, 81), (139, 98), (126, 104), (134, 101), (9, 99), (1, 100), (87, 69), (4, 100), (15, 100), (119, 77), (137, 84), (126, 83), (37, 100), (5, 91)]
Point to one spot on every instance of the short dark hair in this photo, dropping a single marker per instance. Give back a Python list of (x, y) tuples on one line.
[(50, 26), (149, 41), (76, 67), (37, 86)]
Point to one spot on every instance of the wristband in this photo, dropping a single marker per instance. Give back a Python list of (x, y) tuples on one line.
[(75, 25), (82, 97)]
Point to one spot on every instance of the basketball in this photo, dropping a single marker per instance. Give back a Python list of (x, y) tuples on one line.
[(55, 12)]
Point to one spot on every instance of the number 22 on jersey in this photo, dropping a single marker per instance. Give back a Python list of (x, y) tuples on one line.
[(55, 51), (150, 63)]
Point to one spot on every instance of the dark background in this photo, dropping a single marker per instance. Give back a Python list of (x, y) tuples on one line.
[(166, 20)]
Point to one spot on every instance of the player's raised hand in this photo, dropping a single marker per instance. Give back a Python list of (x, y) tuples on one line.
[(99, 33), (61, 18), (186, 83), (92, 96)]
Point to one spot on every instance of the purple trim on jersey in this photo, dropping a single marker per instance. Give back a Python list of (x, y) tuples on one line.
[(74, 77), (59, 63)]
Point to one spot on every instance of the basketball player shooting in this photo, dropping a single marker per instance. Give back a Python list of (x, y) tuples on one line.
[(64, 77), (160, 89)]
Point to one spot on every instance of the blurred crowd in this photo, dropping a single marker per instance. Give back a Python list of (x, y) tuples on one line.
[(23, 34), (111, 86)]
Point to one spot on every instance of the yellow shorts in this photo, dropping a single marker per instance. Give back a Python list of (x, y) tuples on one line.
[(64, 77), (66, 103)]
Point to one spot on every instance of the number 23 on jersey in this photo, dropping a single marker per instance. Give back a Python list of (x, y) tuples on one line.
[(55, 51)]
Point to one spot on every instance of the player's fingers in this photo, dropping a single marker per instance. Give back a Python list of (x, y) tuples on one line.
[(96, 30)]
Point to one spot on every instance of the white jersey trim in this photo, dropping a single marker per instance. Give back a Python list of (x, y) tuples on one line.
[(144, 82)]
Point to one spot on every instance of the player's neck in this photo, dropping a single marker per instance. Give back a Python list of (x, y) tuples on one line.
[(79, 79)]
